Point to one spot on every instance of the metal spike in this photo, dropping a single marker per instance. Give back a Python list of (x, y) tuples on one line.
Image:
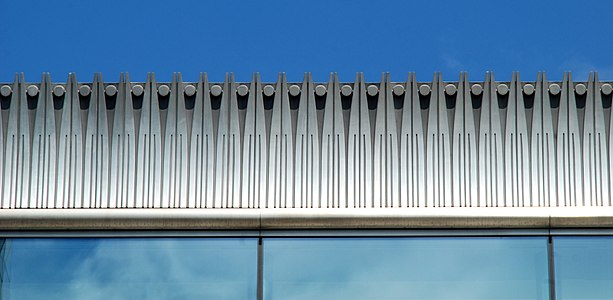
[(202, 151), (333, 147), (569, 162), (595, 177), (123, 152), (149, 151), (281, 151), (359, 151)]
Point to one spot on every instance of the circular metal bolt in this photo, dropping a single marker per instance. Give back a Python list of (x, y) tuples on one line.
[(528, 89), (372, 90), (216, 90), (476, 89), (606, 89), (346, 90), (268, 90), (398, 90), (32, 90), (138, 90), (190, 90), (163, 90), (424, 90), (320, 90), (84, 90), (580, 89), (450, 89), (554, 89), (294, 90), (5, 91), (110, 90), (59, 91), (502, 89), (242, 90)]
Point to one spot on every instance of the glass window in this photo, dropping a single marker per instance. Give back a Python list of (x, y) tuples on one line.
[(129, 268), (406, 268), (584, 267)]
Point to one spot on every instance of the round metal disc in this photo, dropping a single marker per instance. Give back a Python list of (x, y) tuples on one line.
[(424, 90), (580, 89), (163, 90), (137, 90), (294, 90), (503, 89), (110, 90), (554, 89), (84, 90), (216, 90), (32, 90), (528, 89), (5, 91), (320, 90), (190, 90), (268, 90), (59, 91), (242, 90), (372, 90), (346, 90), (476, 89), (606, 89), (450, 89)]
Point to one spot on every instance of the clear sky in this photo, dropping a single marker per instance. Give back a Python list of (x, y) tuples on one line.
[(320, 36)]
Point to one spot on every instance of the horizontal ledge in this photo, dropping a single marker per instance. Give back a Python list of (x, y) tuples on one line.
[(262, 219)]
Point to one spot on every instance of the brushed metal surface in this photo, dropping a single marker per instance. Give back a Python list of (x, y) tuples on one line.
[(306, 219), (386, 145)]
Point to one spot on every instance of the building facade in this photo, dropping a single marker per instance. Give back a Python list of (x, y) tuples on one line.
[(388, 190)]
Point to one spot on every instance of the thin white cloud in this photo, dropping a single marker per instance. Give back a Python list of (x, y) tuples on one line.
[(581, 69), (150, 269)]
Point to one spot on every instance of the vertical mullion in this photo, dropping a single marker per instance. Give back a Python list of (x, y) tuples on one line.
[(551, 268), (260, 271)]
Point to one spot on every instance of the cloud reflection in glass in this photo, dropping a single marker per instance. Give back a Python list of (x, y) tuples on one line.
[(130, 268), (406, 268)]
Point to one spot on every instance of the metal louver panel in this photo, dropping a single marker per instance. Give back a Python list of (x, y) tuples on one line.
[(305, 145)]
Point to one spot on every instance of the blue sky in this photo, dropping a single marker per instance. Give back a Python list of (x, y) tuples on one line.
[(112, 36)]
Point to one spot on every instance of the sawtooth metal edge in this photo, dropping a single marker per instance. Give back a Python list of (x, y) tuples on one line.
[(305, 145)]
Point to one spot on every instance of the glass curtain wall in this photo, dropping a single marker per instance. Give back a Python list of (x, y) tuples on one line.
[(406, 268), (129, 268), (583, 267), (308, 268)]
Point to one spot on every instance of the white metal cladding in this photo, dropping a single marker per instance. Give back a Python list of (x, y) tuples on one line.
[(305, 145)]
